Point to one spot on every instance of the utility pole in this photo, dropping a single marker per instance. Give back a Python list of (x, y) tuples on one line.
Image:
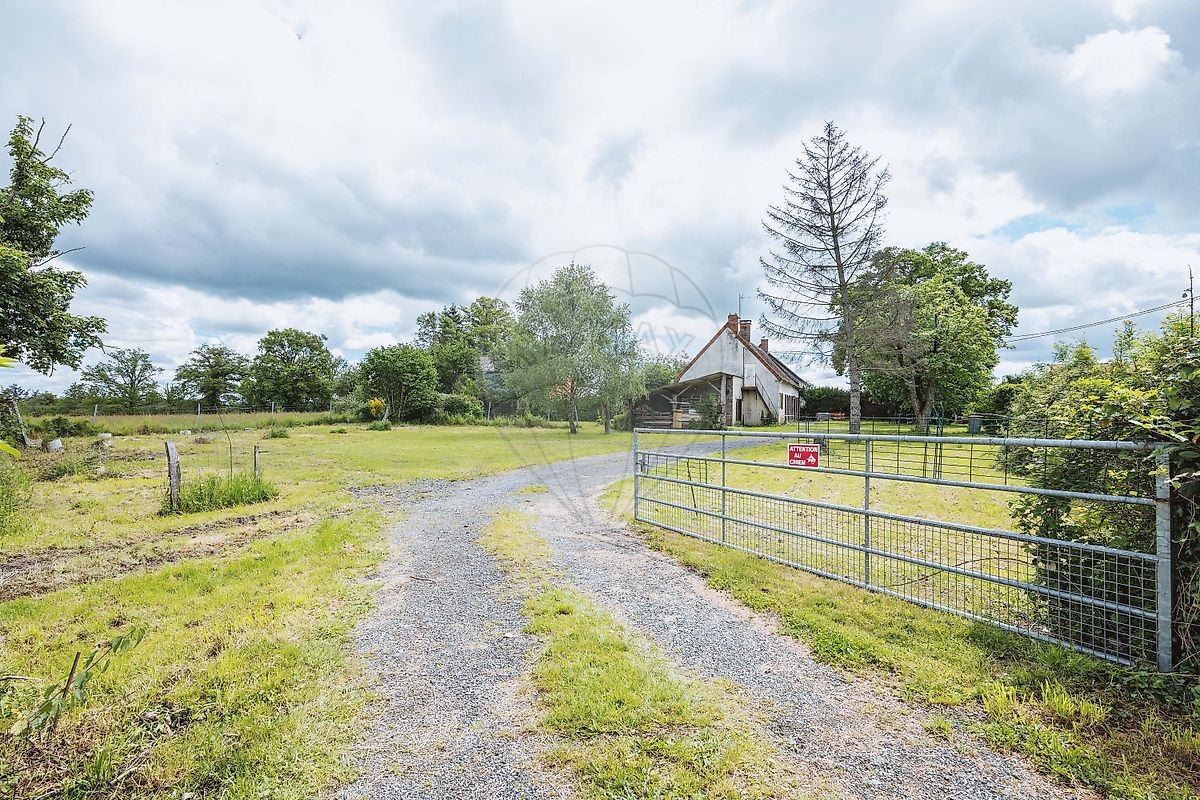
[(1191, 294)]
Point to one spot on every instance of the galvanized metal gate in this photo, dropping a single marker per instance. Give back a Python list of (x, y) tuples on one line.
[(738, 490)]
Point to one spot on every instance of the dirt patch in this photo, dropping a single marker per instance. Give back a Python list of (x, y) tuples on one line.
[(45, 571)]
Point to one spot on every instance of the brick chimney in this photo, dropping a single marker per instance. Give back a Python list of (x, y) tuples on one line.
[(763, 345), (745, 328), (732, 323)]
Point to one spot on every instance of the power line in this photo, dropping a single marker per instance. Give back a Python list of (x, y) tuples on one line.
[(1057, 331)]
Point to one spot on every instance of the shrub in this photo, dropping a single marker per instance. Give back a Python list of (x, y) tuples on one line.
[(216, 491), (461, 409), (277, 433), (710, 414), (376, 407), (61, 426), (338, 430), (380, 425)]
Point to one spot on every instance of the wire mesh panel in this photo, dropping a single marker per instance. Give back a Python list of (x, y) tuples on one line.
[(1097, 599)]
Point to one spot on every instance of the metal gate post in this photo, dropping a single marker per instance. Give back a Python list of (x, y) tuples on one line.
[(867, 508), (637, 465), (1164, 606), (723, 492)]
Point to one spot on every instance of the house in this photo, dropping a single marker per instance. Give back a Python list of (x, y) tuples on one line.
[(751, 386)]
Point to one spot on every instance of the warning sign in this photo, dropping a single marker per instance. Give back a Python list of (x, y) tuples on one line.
[(804, 455)]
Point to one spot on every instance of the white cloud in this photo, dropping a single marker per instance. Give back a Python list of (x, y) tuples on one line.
[(1115, 62)]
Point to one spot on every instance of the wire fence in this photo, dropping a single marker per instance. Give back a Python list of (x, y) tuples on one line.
[(1112, 602)]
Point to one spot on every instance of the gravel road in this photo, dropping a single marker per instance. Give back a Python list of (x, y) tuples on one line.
[(447, 644)]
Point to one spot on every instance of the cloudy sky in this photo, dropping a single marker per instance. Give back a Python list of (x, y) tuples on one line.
[(342, 167)]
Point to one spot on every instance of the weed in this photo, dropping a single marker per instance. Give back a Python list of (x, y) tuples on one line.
[(534, 488), (14, 496), (338, 430), (216, 491), (277, 433), (1064, 706), (939, 726), (64, 464), (379, 425)]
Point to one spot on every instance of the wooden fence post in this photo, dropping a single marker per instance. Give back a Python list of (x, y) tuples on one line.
[(255, 462), (173, 475)]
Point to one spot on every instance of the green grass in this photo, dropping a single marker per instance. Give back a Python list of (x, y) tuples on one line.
[(277, 433), (214, 492), (1130, 734), (239, 689), (153, 424), (243, 687), (625, 721)]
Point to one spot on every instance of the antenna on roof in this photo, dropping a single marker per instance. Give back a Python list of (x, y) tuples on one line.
[(741, 297)]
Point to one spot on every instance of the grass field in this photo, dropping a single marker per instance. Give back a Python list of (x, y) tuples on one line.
[(1129, 733), (242, 686)]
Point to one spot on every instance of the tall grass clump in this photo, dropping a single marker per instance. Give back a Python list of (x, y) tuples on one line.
[(14, 495), (217, 491), (277, 433)]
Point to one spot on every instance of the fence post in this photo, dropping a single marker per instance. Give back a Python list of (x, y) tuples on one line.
[(866, 508), (637, 461), (256, 462), (95, 410), (1164, 605), (173, 475), (197, 417), (272, 412), (724, 494)]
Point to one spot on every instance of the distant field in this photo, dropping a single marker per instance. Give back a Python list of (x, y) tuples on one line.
[(147, 424)]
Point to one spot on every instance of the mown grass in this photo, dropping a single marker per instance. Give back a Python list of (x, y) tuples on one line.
[(625, 721), (1127, 733), (238, 690), (214, 492)]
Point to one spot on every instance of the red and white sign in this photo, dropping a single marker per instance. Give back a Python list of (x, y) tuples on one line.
[(804, 455)]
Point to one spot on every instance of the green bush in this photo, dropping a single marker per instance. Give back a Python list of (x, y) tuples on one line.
[(462, 406), (60, 426), (277, 433), (338, 430), (216, 491), (380, 425)]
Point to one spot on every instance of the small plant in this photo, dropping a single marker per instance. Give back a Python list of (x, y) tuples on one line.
[(215, 491), (1068, 708), (380, 425), (338, 430), (940, 727), (277, 433), (14, 495), (65, 464), (58, 698)]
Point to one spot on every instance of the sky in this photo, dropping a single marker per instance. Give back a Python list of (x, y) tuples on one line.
[(343, 167)]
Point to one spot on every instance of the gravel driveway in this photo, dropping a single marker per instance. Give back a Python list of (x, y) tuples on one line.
[(447, 645)]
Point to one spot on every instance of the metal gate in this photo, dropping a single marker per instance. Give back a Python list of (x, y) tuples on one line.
[(738, 489)]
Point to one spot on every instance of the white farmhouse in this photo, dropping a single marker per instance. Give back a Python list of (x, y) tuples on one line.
[(751, 386)]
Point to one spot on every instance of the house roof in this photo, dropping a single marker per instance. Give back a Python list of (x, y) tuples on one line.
[(777, 368)]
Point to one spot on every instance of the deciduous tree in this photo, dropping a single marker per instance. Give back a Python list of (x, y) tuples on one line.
[(572, 341), (293, 368), (36, 323), (404, 377), (125, 376), (213, 373)]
